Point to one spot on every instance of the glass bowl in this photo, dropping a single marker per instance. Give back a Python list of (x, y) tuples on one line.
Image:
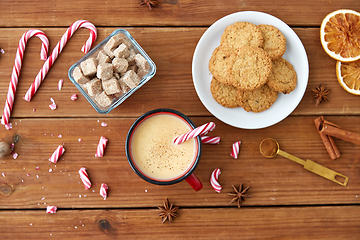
[(116, 100)]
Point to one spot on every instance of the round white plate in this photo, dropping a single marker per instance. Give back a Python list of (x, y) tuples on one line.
[(238, 117)]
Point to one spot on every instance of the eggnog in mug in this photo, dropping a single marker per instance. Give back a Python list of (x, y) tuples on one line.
[(154, 152)]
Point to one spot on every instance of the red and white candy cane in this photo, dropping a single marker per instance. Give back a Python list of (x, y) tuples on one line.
[(101, 147), (103, 190), (57, 50), (17, 67), (210, 140), (57, 154), (202, 130), (235, 149), (214, 180), (51, 209), (85, 178)]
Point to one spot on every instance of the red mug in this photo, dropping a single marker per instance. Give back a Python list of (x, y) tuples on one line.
[(186, 174)]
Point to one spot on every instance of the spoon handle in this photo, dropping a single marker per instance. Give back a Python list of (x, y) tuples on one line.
[(291, 157), (325, 172)]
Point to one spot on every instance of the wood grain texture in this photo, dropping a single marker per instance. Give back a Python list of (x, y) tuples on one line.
[(171, 87), (273, 182), (338, 222), (170, 12)]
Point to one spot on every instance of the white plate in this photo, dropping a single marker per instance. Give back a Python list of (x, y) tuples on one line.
[(238, 117)]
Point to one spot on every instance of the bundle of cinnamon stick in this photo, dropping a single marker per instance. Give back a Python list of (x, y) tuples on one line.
[(327, 130)]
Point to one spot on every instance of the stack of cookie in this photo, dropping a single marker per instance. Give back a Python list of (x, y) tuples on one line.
[(248, 69)]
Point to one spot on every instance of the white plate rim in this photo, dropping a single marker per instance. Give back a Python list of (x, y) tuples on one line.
[(238, 117)]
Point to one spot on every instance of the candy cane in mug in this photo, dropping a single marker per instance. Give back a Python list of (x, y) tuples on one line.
[(17, 67), (199, 131), (57, 50), (210, 140)]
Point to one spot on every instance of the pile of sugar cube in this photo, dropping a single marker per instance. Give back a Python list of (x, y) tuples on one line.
[(115, 70)]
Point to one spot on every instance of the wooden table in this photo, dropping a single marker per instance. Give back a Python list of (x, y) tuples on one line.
[(287, 201)]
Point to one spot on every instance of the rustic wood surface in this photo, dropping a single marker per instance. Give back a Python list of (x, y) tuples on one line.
[(287, 201)]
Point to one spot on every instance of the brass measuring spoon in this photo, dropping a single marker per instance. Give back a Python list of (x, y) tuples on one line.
[(270, 148)]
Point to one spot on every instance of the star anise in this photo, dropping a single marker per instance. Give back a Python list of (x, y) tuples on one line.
[(149, 3), (168, 211), (320, 94), (239, 195)]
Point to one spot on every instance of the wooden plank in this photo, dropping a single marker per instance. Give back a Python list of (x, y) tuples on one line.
[(339, 222), (275, 181), (169, 13), (172, 86)]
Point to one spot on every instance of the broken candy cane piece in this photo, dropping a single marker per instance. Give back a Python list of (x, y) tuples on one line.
[(101, 147), (235, 149), (57, 153), (52, 106), (210, 140), (214, 180), (85, 178), (73, 97), (51, 209), (60, 84), (103, 190)]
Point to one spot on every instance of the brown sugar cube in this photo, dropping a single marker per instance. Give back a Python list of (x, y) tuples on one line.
[(79, 76), (141, 73), (94, 87), (111, 86), (105, 71), (121, 38), (141, 62), (131, 57), (103, 99), (131, 79), (124, 87), (120, 65), (115, 41), (109, 52), (122, 51), (88, 66), (133, 67), (102, 57)]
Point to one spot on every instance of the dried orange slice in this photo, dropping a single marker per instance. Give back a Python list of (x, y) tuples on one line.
[(340, 35), (348, 75)]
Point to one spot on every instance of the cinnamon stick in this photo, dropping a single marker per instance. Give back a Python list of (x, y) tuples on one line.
[(340, 133), (327, 140)]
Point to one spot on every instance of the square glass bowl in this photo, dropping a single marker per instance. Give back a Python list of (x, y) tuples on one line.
[(116, 101)]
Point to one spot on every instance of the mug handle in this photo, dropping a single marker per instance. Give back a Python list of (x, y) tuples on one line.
[(194, 182)]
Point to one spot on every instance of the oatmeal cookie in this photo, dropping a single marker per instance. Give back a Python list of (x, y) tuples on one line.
[(218, 65), (249, 68), (241, 34), (225, 95), (282, 77), (257, 100), (274, 41)]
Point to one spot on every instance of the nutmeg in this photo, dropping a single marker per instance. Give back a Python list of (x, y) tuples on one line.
[(4, 149)]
